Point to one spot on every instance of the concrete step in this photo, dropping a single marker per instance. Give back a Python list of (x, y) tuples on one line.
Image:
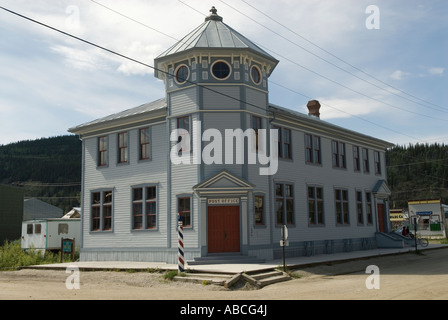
[(204, 278), (268, 274), (259, 279), (264, 278), (274, 279)]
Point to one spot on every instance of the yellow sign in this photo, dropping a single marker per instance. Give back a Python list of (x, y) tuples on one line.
[(396, 217)]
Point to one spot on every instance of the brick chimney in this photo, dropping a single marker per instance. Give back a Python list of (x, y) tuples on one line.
[(313, 108)]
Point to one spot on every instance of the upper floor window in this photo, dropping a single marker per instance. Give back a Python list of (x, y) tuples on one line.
[(221, 70), (123, 147), (255, 75), (312, 149), (144, 143), (356, 159), (182, 73), (338, 154), (102, 151), (377, 159), (284, 143), (183, 123), (256, 125), (365, 160)]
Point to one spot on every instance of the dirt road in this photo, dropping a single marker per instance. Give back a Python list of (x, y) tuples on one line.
[(403, 276)]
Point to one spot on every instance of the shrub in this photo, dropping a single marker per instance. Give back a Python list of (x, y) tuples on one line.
[(12, 256)]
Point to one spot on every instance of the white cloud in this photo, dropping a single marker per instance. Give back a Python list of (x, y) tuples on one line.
[(399, 75), (80, 59), (436, 71)]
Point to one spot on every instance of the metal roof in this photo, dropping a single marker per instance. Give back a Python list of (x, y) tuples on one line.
[(140, 110), (213, 33)]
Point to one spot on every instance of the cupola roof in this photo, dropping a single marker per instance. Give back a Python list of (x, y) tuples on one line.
[(214, 34)]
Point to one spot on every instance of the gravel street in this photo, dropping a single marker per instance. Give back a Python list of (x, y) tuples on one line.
[(403, 276)]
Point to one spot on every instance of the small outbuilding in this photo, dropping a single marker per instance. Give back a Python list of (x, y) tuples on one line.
[(46, 234), (37, 209)]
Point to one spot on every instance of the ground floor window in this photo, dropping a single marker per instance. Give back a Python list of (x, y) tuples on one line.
[(144, 207), (184, 210), (341, 204), (315, 206), (284, 203), (369, 210), (359, 207), (101, 210), (259, 210)]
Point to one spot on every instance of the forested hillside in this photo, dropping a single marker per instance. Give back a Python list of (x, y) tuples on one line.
[(47, 168), (50, 169), (417, 172)]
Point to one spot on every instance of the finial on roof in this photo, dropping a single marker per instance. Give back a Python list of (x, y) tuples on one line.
[(214, 15)]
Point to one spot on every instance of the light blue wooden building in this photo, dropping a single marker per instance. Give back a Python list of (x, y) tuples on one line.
[(329, 186)]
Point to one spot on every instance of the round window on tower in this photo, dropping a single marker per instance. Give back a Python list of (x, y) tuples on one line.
[(255, 74), (182, 73), (221, 70)]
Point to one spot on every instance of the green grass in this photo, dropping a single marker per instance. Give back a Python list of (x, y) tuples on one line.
[(13, 257)]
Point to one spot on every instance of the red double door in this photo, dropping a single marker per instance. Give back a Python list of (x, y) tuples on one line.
[(223, 229)]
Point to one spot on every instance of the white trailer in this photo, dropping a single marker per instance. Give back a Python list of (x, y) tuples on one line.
[(46, 234)]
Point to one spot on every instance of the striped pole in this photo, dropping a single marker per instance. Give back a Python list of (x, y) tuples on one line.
[(180, 245)]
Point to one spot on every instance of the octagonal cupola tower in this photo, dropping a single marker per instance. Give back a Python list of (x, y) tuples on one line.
[(215, 78), (215, 58)]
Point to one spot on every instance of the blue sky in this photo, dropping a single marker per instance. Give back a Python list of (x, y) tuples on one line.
[(390, 82)]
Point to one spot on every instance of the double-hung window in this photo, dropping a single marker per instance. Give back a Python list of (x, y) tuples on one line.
[(259, 210), (356, 159), (284, 143), (123, 147), (341, 204), (315, 206), (184, 123), (101, 210), (256, 125), (102, 151), (365, 160), (312, 149), (144, 207), (284, 203), (369, 209), (359, 207), (184, 210), (144, 143), (377, 159), (338, 154)]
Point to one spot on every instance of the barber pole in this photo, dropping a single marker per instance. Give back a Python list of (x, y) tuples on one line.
[(180, 245)]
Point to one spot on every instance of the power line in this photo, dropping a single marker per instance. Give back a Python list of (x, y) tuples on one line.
[(347, 63), (325, 77), (165, 72)]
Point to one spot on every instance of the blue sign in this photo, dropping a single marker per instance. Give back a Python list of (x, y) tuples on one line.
[(424, 213)]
